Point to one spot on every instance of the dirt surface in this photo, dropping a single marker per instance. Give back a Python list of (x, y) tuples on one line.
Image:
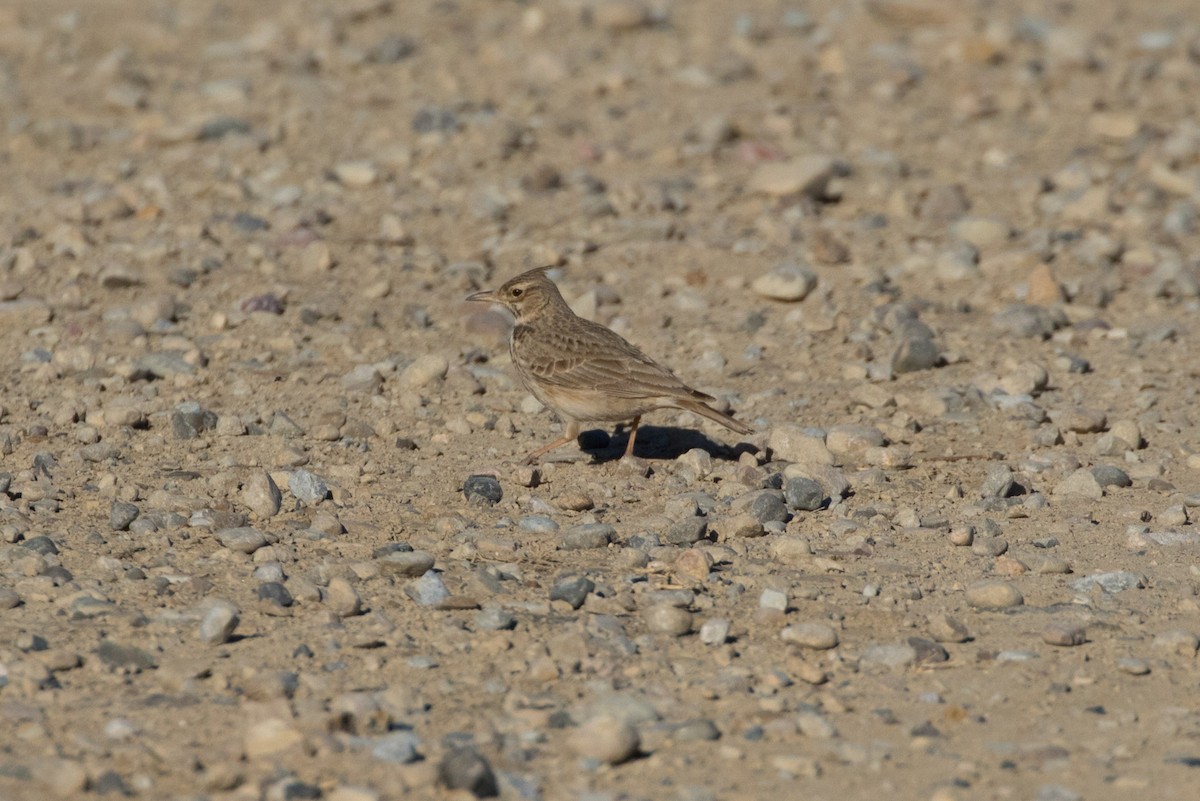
[(266, 532)]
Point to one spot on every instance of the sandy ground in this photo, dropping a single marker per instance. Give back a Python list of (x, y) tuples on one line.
[(265, 531)]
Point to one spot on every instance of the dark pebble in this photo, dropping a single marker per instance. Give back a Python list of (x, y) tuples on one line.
[(1107, 475), (768, 506), (275, 593), (588, 535), (803, 494), (467, 769), (43, 545), (572, 589), (121, 515), (482, 490), (688, 531)]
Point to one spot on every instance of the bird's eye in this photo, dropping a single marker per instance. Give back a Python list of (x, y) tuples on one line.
[(517, 292)]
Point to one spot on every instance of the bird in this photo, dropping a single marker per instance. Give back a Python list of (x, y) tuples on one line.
[(584, 371)]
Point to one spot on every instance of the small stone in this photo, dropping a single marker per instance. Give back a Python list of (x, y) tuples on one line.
[(789, 282), (982, 232), (1080, 419), (482, 490), (741, 527), (1064, 634), (888, 655), (702, 730), (493, 618), (814, 726), (467, 769), (992, 594), (915, 353), (428, 590), (219, 622), (342, 598), (190, 420), (607, 740), (274, 593), (715, 631), (944, 628), (693, 564), (363, 378), (242, 540), (803, 494), (121, 515), (397, 747), (1111, 476), (269, 737), (1113, 582), (773, 599), (807, 175), (667, 619), (817, 636), (308, 487), (792, 443), (574, 590), (962, 536), (64, 778), (768, 506), (588, 535), (620, 16), (262, 496), (846, 440), (423, 371), (408, 564), (1080, 484), (356, 174), (124, 657), (1181, 643), (1134, 667), (688, 531)]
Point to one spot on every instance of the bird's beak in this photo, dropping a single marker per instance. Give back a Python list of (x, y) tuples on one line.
[(485, 296)]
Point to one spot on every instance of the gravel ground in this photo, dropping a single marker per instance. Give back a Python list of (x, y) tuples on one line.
[(264, 528)]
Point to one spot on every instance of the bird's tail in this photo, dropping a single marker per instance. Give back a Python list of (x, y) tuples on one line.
[(704, 410)]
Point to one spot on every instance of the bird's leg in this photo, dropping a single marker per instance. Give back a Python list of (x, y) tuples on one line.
[(569, 434), (633, 427)]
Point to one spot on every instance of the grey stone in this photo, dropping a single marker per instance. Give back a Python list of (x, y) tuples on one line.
[(467, 769), (572, 589), (914, 354), (406, 563), (1112, 582), (687, 531), (308, 487), (121, 515), (493, 618), (483, 490), (219, 622), (803, 494), (243, 539), (428, 590), (1110, 476), (397, 747), (588, 535), (190, 419)]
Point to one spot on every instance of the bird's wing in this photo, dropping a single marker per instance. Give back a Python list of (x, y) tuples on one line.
[(589, 356)]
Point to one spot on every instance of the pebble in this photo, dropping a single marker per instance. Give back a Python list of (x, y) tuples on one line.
[(888, 655), (1080, 484), (620, 16), (493, 618), (408, 564), (572, 589), (607, 740), (397, 747), (342, 599), (668, 619), (357, 174), (792, 443), (992, 594), (482, 490), (715, 631), (428, 590), (807, 175), (789, 282), (1181, 643), (190, 420), (588, 535), (817, 636), (307, 487), (1064, 634), (219, 622), (1112, 582), (688, 531), (121, 515), (1110, 476), (773, 599), (467, 769), (944, 628), (423, 371), (803, 494), (693, 564), (261, 495), (243, 539), (1133, 666)]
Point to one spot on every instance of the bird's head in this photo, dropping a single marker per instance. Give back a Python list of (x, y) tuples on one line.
[(524, 295)]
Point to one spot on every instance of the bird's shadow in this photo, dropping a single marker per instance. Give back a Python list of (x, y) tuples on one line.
[(657, 442)]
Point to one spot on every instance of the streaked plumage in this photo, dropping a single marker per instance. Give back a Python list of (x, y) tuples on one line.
[(584, 371)]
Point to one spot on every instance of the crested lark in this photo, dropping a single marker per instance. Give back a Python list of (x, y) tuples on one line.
[(584, 371)]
